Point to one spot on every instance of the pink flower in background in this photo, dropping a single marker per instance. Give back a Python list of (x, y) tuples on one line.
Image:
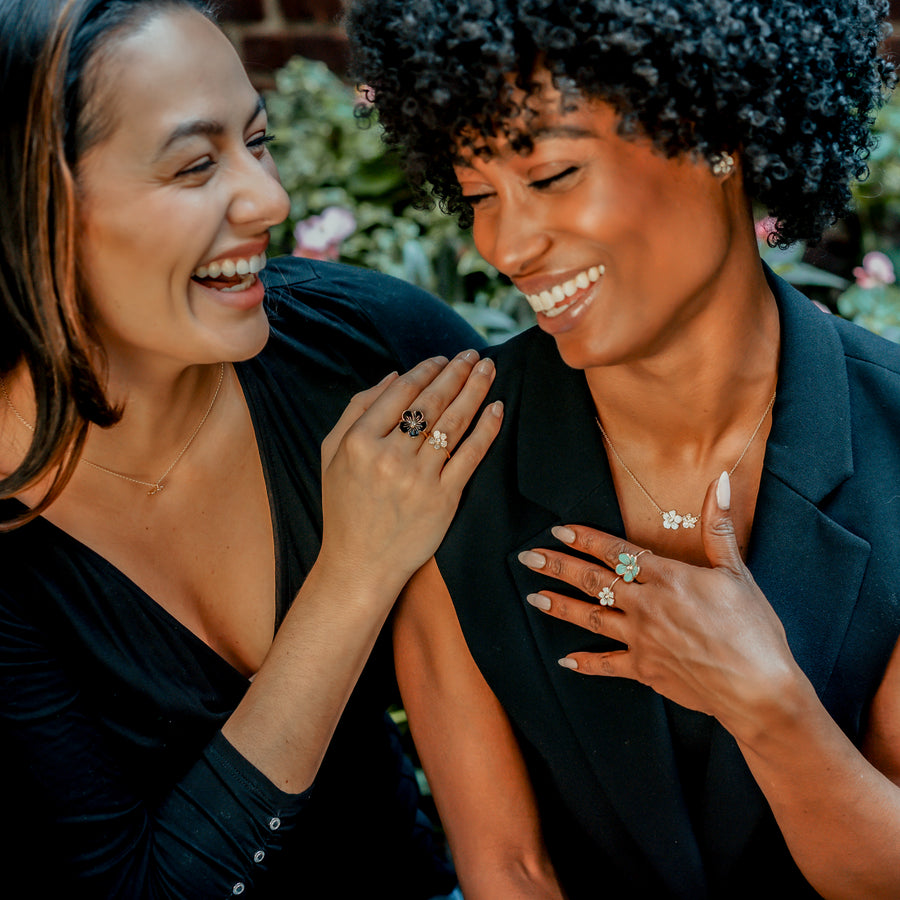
[(765, 227), (320, 237), (876, 270)]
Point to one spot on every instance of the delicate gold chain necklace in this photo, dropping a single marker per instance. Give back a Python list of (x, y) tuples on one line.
[(159, 484), (672, 518)]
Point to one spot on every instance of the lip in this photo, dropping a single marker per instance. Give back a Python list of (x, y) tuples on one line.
[(572, 309), (244, 300), (251, 248), (537, 284)]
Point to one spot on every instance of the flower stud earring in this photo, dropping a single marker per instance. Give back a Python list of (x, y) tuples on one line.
[(722, 164)]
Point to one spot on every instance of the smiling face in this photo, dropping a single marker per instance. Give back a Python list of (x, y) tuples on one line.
[(616, 247), (176, 200)]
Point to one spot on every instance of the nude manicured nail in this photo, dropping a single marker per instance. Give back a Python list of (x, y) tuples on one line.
[(723, 492), (561, 533), (532, 560), (497, 408), (539, 601), (567, 663), (485, 367)]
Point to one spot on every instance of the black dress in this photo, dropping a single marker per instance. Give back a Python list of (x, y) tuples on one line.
[(638, 796), (110, 709)]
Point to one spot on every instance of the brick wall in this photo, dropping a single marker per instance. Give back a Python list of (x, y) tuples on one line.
[(268, 33)]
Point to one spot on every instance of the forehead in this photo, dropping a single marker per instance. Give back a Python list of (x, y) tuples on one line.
[(176, 65), (546, 115)]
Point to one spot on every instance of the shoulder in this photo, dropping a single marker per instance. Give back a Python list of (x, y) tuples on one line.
[(364, 305)]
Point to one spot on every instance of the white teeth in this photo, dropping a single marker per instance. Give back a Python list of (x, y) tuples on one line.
[(230, 267), (242, 285), (546, 301)]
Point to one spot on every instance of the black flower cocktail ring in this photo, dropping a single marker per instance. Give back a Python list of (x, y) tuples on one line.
[(413, 423)]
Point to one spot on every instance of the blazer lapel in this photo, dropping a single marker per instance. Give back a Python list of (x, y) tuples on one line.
[(621, 725), (809, 567)]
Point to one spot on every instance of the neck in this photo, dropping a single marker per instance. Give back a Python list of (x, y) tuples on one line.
[(159, 416), (705, 387)]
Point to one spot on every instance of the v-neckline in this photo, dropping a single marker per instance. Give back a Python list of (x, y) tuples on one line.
[(275, 516)]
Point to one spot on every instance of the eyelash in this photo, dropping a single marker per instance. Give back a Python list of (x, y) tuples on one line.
[(541, 184), (546, 182), (256, 143)]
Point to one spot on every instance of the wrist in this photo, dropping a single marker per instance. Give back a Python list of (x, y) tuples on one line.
[(774, 717)]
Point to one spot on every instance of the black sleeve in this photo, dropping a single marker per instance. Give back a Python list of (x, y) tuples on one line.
[(220, 825), (406, 323)]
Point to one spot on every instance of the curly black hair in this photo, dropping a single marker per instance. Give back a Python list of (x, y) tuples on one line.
[(793, 85)]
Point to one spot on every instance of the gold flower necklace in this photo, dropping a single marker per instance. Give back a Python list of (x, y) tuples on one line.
[(155, 486), (672, 518)]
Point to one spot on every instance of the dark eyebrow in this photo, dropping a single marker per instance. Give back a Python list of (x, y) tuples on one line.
[(204, 127), (537, 133)]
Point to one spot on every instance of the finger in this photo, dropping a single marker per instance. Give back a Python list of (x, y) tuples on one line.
[(593, 617), (586, 576), (614, 664), (454, 421), (383, 414), (717, 527), (609, 549), (358, 404), (459, 468)]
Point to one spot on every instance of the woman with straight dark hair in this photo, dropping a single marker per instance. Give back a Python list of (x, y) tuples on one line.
[(186, 706), (658, 653)]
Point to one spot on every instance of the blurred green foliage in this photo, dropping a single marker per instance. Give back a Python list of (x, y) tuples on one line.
[(327, 157)]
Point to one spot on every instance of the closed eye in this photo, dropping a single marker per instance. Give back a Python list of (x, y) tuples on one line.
[(198, 169), (475, 199), (543, 183)]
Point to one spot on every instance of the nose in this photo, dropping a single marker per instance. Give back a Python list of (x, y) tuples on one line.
[(259, 200), (513, 239)]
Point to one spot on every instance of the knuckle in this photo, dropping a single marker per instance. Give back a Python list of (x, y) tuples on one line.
[(613, 552), (589, 541), (723, 528), (595, 619), (453, 422), (554, 566), (592, 580), (605, 666)]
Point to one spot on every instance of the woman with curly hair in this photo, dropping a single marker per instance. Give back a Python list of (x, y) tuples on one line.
[(657, 653)]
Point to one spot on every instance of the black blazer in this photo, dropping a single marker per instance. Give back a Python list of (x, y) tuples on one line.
[(638, 796)]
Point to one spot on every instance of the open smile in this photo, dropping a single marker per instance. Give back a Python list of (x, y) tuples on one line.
[(556, 300)]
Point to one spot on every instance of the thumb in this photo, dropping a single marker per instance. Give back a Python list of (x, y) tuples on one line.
[(717, 527), (358, 404)]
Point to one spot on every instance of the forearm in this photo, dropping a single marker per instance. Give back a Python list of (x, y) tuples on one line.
[(839, 815), (287, 718)]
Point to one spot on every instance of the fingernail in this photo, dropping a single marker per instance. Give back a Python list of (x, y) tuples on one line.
[(485, 367), (561, 533), (540, 601), (497, 408), (470, 355), (723, 492), (567, 663), (531, 559), (386, 377), (440, 360)]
